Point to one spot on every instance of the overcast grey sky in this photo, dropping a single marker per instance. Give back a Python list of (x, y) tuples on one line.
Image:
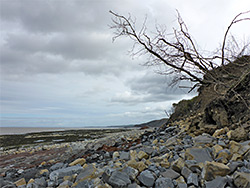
[(59, 66)]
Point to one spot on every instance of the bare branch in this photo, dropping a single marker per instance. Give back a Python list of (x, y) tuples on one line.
[(234, 21)]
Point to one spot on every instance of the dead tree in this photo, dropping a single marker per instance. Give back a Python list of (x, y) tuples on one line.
[(177, 51)]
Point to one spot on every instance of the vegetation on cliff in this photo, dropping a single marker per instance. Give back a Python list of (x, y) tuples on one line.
[(222, 78)]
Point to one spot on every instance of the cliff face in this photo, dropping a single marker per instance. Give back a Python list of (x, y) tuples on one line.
[(224, 103)]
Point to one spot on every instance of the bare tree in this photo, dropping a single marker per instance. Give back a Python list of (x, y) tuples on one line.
[(177, 50)]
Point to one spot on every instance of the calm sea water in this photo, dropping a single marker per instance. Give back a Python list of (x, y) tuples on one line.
[(23, 130)]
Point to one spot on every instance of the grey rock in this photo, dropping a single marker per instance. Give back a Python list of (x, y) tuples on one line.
[(132, 173), (146, 178), (247, 164), (178, 148), (203, 139), (41, 182), (134, 185), (193, 179), (107, 155), (221, 143), (51, 184), (95, 156), (84, 184), (55, 175), (97, 146), (1, 181), (153, 168), (6, 184), (224, 151), (30, 185), (190, 162), (182, 185), (234, 165), (30, 173), (67, 182), (244, 169), (185, 172), (218, 182), (170, 129), (106, 174), (200, 154), (124, 155), (170, 173), (164, 182), (85, 172), (57, 166), (119, 179), (241, 179), (9, 186), (22, 186)]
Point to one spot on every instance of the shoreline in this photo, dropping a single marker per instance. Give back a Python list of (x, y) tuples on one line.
[(51, 139), (28, 130)]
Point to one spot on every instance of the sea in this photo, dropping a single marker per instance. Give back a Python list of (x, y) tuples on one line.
[(24, 130), (23, 125)]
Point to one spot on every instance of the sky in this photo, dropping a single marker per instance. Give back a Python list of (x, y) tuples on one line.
[(59, 66)]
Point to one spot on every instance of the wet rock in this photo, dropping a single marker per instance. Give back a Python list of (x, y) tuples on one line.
[(147, 178), (164, 182)]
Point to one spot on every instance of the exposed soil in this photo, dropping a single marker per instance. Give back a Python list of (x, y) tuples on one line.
[(223, 103)]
